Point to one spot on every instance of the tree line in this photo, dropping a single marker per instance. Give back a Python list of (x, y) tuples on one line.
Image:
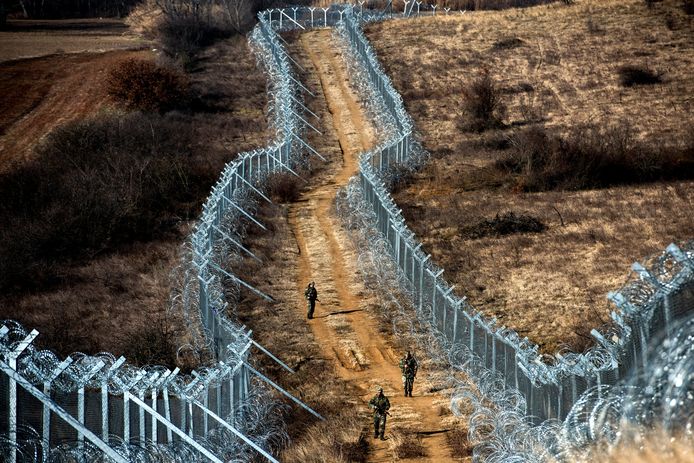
[(60, 9)]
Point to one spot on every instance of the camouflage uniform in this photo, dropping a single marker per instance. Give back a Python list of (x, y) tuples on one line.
[(381, 405), (408, 367), (311, 295)]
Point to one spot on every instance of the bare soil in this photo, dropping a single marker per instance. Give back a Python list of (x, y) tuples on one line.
[(53, 72), (557, 65), (40, 94)]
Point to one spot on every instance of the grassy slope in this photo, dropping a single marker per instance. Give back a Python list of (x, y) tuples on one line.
[(551, 286)]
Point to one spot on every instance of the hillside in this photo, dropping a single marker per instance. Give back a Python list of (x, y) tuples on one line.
[(562, 74), (63, 266)]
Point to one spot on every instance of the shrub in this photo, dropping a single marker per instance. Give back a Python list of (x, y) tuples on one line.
[(144, 86), (154, 344), (592, 157), (283, 188), (187, 26), (94, 185), (635, 75), (407, 445), (688, 6), (501, 225), (458, 442), (483, 107), (508, 43)]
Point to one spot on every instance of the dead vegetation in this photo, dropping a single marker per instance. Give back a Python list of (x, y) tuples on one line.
[(406, 444), (93, 220), (602, 163), (142, 85), (458, 441)]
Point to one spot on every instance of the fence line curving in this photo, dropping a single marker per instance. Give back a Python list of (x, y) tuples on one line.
[(653, 302), (100, 408)]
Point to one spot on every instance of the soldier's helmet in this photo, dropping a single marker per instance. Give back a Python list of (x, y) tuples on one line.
[(380, 390)]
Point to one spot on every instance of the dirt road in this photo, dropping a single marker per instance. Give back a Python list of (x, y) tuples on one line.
[(348, 334)]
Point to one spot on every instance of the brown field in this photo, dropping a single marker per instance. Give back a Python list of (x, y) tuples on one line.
[(53, 72), (32, 38), (105, 300), (40, 94), (559, 64)]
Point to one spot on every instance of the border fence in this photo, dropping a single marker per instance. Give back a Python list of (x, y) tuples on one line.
[(99, 408), (93, 408), (661, 293)]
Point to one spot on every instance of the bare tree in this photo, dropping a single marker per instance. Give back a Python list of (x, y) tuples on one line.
[(240, 13)]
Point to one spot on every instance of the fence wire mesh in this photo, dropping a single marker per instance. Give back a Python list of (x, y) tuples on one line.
[(526, 408), (532, 394)]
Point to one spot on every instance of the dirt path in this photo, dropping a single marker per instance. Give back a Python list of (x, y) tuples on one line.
[(348, 334)]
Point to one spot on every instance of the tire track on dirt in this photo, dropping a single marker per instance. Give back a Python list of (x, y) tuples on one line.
[(349, 336)]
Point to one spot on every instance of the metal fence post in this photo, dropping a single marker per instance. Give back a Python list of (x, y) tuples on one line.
[(12, 416), (46, 421)]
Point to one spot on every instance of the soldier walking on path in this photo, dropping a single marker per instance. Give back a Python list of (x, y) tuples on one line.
[(381, 405), (311, 297), (408, 367)]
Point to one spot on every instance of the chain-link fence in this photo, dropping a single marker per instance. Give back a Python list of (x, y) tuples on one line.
[(99, 408), (93, 408), (660, 293)]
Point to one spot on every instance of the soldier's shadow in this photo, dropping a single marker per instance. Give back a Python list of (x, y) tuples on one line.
[(340, 312)]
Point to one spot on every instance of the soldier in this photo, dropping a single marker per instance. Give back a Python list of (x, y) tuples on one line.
[(311, 297), (381, 405), (408, 367)]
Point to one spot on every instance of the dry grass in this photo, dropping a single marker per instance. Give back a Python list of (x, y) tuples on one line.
[(102, 300), (558, 65), (406, 444), (657, 447), (457, 440)]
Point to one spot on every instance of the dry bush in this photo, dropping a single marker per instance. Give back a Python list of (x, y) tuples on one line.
[(283, 187), (482, 106), (342, 439), (592, 157), (406, 444), (96, 184), (142, 85), (185, 27), (508, 43), (651, 3), (155, 343), (501, 225), (458, 442), (637, 75)]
